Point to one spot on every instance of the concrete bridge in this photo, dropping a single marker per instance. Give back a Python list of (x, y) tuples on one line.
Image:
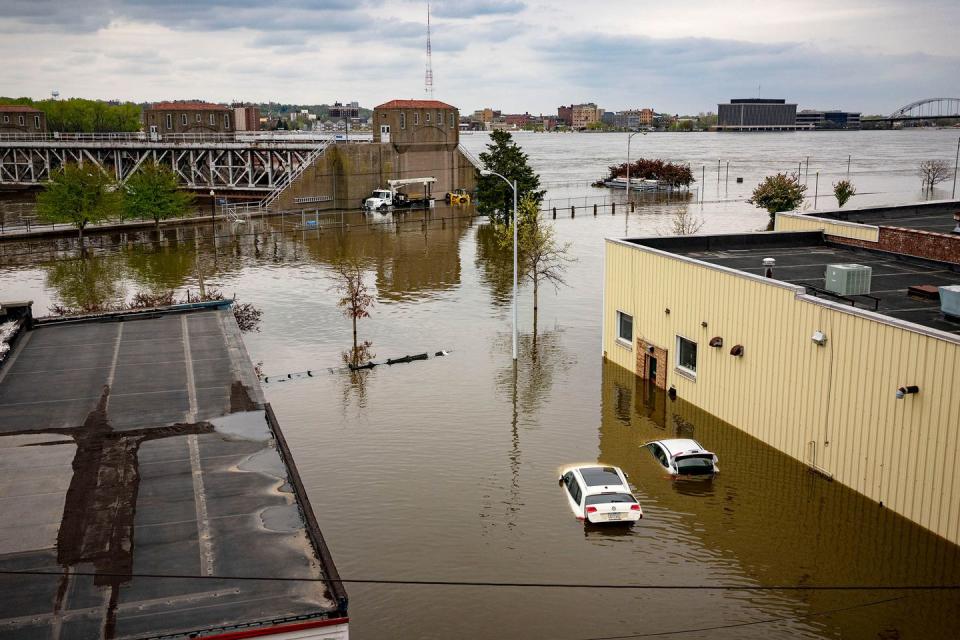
[(242, 162)]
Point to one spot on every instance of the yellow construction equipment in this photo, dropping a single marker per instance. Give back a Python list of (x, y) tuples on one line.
[(457, 197)]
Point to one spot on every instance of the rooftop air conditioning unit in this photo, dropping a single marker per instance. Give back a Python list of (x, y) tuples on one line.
[(848, 279), (950, 300)]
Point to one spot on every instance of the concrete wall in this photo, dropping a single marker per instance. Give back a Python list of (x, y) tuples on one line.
[(347, 173), (831, 406)]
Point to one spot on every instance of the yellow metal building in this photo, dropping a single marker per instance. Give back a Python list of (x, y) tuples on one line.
[(813, 377)]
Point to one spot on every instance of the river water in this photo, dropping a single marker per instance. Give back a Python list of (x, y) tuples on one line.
[(446, 469)]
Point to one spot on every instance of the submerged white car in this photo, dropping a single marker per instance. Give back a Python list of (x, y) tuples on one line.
[(684, 457), (599, 494)]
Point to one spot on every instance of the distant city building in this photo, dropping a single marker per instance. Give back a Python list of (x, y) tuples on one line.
[(188, 117), (829, 119), (518, 120), (758, 114), (565, 115), (246, 118), (583, 115), (482, 115), (18, 118), (420, 122), (633, 118)]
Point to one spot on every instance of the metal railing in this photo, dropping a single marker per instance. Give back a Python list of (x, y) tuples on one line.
[(143, 136)]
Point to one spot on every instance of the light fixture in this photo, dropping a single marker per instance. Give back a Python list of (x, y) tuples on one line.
[(902, 391), (716, 341), (819, 337), (737, 350)]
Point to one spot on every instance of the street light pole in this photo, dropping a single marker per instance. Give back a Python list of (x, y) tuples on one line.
[(516, 225), (629, 138), (955, 163), (213, 207)]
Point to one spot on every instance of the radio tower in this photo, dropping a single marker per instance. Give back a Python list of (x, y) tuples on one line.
[(428, 77)]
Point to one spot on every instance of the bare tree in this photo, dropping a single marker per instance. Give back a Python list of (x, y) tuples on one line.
[(355, 301), (541, 257), (932, 172), (683, 223)]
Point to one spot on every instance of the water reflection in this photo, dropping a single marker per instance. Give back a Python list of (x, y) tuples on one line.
[(783, 524), (88, 283)]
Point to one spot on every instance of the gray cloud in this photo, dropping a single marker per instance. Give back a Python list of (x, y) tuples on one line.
[(474, 8)]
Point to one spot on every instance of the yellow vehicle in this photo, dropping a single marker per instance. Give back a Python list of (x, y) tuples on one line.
[(457, 197)]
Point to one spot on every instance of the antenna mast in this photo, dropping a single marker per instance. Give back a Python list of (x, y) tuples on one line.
[(428, 78)]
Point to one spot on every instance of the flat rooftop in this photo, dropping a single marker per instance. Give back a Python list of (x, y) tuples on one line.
[(143, 446), (911, 218), (802, 259)]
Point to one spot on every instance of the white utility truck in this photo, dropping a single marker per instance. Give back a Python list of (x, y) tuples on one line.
[(392, 197)]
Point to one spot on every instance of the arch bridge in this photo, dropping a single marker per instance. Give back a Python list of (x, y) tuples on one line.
[(926, 109)]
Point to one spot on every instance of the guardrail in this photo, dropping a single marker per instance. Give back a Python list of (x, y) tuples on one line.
[(141, 136)]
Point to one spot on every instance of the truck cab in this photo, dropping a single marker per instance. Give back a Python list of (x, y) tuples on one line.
[(379, 199)]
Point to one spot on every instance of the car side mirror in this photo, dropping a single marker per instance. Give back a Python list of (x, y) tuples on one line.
[(560, 482)]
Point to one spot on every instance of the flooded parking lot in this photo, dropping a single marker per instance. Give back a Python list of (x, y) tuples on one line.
[(446, 469)]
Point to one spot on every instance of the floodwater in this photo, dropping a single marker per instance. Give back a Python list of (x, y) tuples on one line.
[(446, 469)]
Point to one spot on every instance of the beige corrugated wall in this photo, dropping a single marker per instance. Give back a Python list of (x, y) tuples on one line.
[(800, 222), (831, 406)]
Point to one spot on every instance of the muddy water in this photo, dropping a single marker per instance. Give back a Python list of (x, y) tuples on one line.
[(445, 469)]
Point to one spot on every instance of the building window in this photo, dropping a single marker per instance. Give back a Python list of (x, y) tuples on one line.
[(169, 121), (200, 118), (416, 118), (183, 118), (20, 121), (452, 120), (213, 119), (6, 119), (439, 118), (428, 118), (36, 121), (687, 356), (226, 121), (403, 120), (625, 328)]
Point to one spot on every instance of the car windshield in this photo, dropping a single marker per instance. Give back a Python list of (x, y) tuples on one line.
[(692, 465), (600, 476), (607, 498)]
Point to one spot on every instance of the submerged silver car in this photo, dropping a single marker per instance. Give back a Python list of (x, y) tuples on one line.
[(683, 457)]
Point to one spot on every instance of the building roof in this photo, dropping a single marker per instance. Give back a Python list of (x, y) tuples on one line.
[(188, 106), (415, 104), (919, 218), (18, 108), (144, 447), (802, 258)]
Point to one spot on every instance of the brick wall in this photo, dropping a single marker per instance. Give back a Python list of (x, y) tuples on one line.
[(646, 351), (912, 242)]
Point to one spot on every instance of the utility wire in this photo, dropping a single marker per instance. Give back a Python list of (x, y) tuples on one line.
[(525, 585)]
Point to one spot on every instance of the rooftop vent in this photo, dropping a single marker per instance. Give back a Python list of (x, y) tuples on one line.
[(950, 300), (848, 279)]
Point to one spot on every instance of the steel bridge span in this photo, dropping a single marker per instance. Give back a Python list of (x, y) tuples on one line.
[(926, 109), (256, 164)]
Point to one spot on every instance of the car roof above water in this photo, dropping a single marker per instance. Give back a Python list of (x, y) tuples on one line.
[(601, 476), (677, 446)]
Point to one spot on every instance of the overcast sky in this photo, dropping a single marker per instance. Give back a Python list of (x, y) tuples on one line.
[(683, 57)]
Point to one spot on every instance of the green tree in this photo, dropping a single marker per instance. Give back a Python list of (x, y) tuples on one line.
[(152, 192), (844, 190), (540, 258), (494, 196), (79, 195), (781, 192), (76, 115)]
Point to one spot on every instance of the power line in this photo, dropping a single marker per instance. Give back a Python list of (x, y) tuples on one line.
[(524, 585)]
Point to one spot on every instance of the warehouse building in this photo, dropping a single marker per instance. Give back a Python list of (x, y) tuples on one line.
[(758, 114), (844, 357)]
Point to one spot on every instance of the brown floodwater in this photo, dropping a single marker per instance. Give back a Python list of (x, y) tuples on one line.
[(446, 469)]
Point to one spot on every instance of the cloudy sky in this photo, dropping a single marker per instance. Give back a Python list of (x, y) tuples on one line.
[(514, 55)]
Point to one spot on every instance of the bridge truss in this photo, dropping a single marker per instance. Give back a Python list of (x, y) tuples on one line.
[(226, 166), (928, 108)]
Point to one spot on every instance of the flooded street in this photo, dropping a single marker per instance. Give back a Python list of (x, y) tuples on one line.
[(446, 469)]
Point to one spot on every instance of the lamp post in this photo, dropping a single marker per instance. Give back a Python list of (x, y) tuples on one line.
[(956, 162), (513, 185), (213, 207), (629, 138)]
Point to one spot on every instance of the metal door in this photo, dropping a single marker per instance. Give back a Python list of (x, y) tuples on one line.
[(384, 133)]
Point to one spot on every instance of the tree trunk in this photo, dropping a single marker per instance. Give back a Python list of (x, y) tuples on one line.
[(354, 336), (536, 281)]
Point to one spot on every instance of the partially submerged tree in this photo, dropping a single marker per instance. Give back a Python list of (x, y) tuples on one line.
[(153, 192), (540, 257), (843, 191), (494, 196), (674, 174), (933, 172), (684, 223), (777, 193), (79, 195), (355, 301)]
